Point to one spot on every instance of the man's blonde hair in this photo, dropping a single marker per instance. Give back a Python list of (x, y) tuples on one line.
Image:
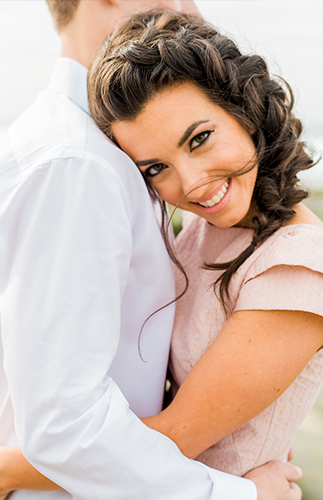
[(62, 11)]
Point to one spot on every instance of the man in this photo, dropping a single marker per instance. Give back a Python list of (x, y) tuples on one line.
[(83, 266)]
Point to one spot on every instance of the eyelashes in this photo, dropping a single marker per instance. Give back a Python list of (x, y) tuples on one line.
[(197, 141), (155, 170), (200, 139)]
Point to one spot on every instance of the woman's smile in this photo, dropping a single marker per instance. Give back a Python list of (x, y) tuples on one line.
[(214, 199), (217, 200), (191, 151)]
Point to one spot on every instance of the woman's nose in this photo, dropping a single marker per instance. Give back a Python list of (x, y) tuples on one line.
[(193, 181)]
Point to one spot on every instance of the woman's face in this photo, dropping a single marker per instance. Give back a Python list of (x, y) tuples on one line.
[(187, 145)]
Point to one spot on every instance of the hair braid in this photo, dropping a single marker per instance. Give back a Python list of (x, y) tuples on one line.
[(154, 51)]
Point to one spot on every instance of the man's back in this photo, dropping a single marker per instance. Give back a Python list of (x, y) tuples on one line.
[(83, 264)]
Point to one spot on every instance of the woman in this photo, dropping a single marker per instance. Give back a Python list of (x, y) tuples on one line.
[(213, 134)]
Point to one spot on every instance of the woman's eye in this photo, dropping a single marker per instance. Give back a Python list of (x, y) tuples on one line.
[(155, 169), (199, 139)]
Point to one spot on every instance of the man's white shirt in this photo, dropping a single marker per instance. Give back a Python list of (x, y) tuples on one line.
[(83, 265)]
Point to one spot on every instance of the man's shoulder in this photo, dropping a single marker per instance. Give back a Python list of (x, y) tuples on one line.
[(53, 127), (54, 132)]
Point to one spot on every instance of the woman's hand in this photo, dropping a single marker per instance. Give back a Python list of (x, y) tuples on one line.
[(16, 473), (254, 359)]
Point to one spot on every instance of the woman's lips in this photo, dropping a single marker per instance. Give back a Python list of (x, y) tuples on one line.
[(215, 197), (216, 201)]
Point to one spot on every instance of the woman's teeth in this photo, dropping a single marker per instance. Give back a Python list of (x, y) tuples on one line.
[(217, 197)]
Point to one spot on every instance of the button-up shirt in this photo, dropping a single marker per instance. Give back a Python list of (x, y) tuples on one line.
[(83, 265)]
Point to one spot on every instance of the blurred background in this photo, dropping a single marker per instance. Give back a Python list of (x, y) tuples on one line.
[(288, 33)]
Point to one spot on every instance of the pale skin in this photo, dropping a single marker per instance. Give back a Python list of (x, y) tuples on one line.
[(93, 21), (189, 420)]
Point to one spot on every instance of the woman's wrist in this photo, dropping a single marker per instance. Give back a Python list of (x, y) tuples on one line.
[(9, 458), (17, 473)]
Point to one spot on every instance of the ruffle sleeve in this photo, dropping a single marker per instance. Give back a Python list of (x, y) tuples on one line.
[(286, 272)]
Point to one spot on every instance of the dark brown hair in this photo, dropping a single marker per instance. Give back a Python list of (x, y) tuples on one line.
[(151, 52), (62, 11)]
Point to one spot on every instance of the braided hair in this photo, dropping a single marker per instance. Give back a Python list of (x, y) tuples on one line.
[(154, 51)]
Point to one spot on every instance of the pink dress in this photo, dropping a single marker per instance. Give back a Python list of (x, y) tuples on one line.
[(286, 273)]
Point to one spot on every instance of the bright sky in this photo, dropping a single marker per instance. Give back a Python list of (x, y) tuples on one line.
[(289, 33)]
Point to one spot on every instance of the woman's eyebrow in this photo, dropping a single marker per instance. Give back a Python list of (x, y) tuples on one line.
[(184, 137), (189, 130), (143, 163)]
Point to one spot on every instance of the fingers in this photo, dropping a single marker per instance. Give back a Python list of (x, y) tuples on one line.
[(296, 492), (290, 454), (291, 472), (276, 481)]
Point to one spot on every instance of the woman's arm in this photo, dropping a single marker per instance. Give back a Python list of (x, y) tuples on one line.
[(16, 473), (249, 365)]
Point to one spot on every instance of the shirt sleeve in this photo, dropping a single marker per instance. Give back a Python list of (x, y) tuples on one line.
[(69, 255), (287, 275)]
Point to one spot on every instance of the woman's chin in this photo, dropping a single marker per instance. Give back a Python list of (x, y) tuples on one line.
[(240, 220)]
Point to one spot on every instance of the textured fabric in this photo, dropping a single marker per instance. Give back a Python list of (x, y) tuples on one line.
[(284, 273), (83, 266)]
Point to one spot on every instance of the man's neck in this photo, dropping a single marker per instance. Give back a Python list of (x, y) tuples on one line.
[(82, 57), (84, 35), (84, 53)]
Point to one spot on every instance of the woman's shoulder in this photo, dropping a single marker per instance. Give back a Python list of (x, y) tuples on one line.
[(285, 272), (303, 215), (297, 244)]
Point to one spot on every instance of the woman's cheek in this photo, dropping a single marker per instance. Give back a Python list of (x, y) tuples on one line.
[(167, 194)]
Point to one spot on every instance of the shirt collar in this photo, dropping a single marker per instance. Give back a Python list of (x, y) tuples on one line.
[(70, 78)]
